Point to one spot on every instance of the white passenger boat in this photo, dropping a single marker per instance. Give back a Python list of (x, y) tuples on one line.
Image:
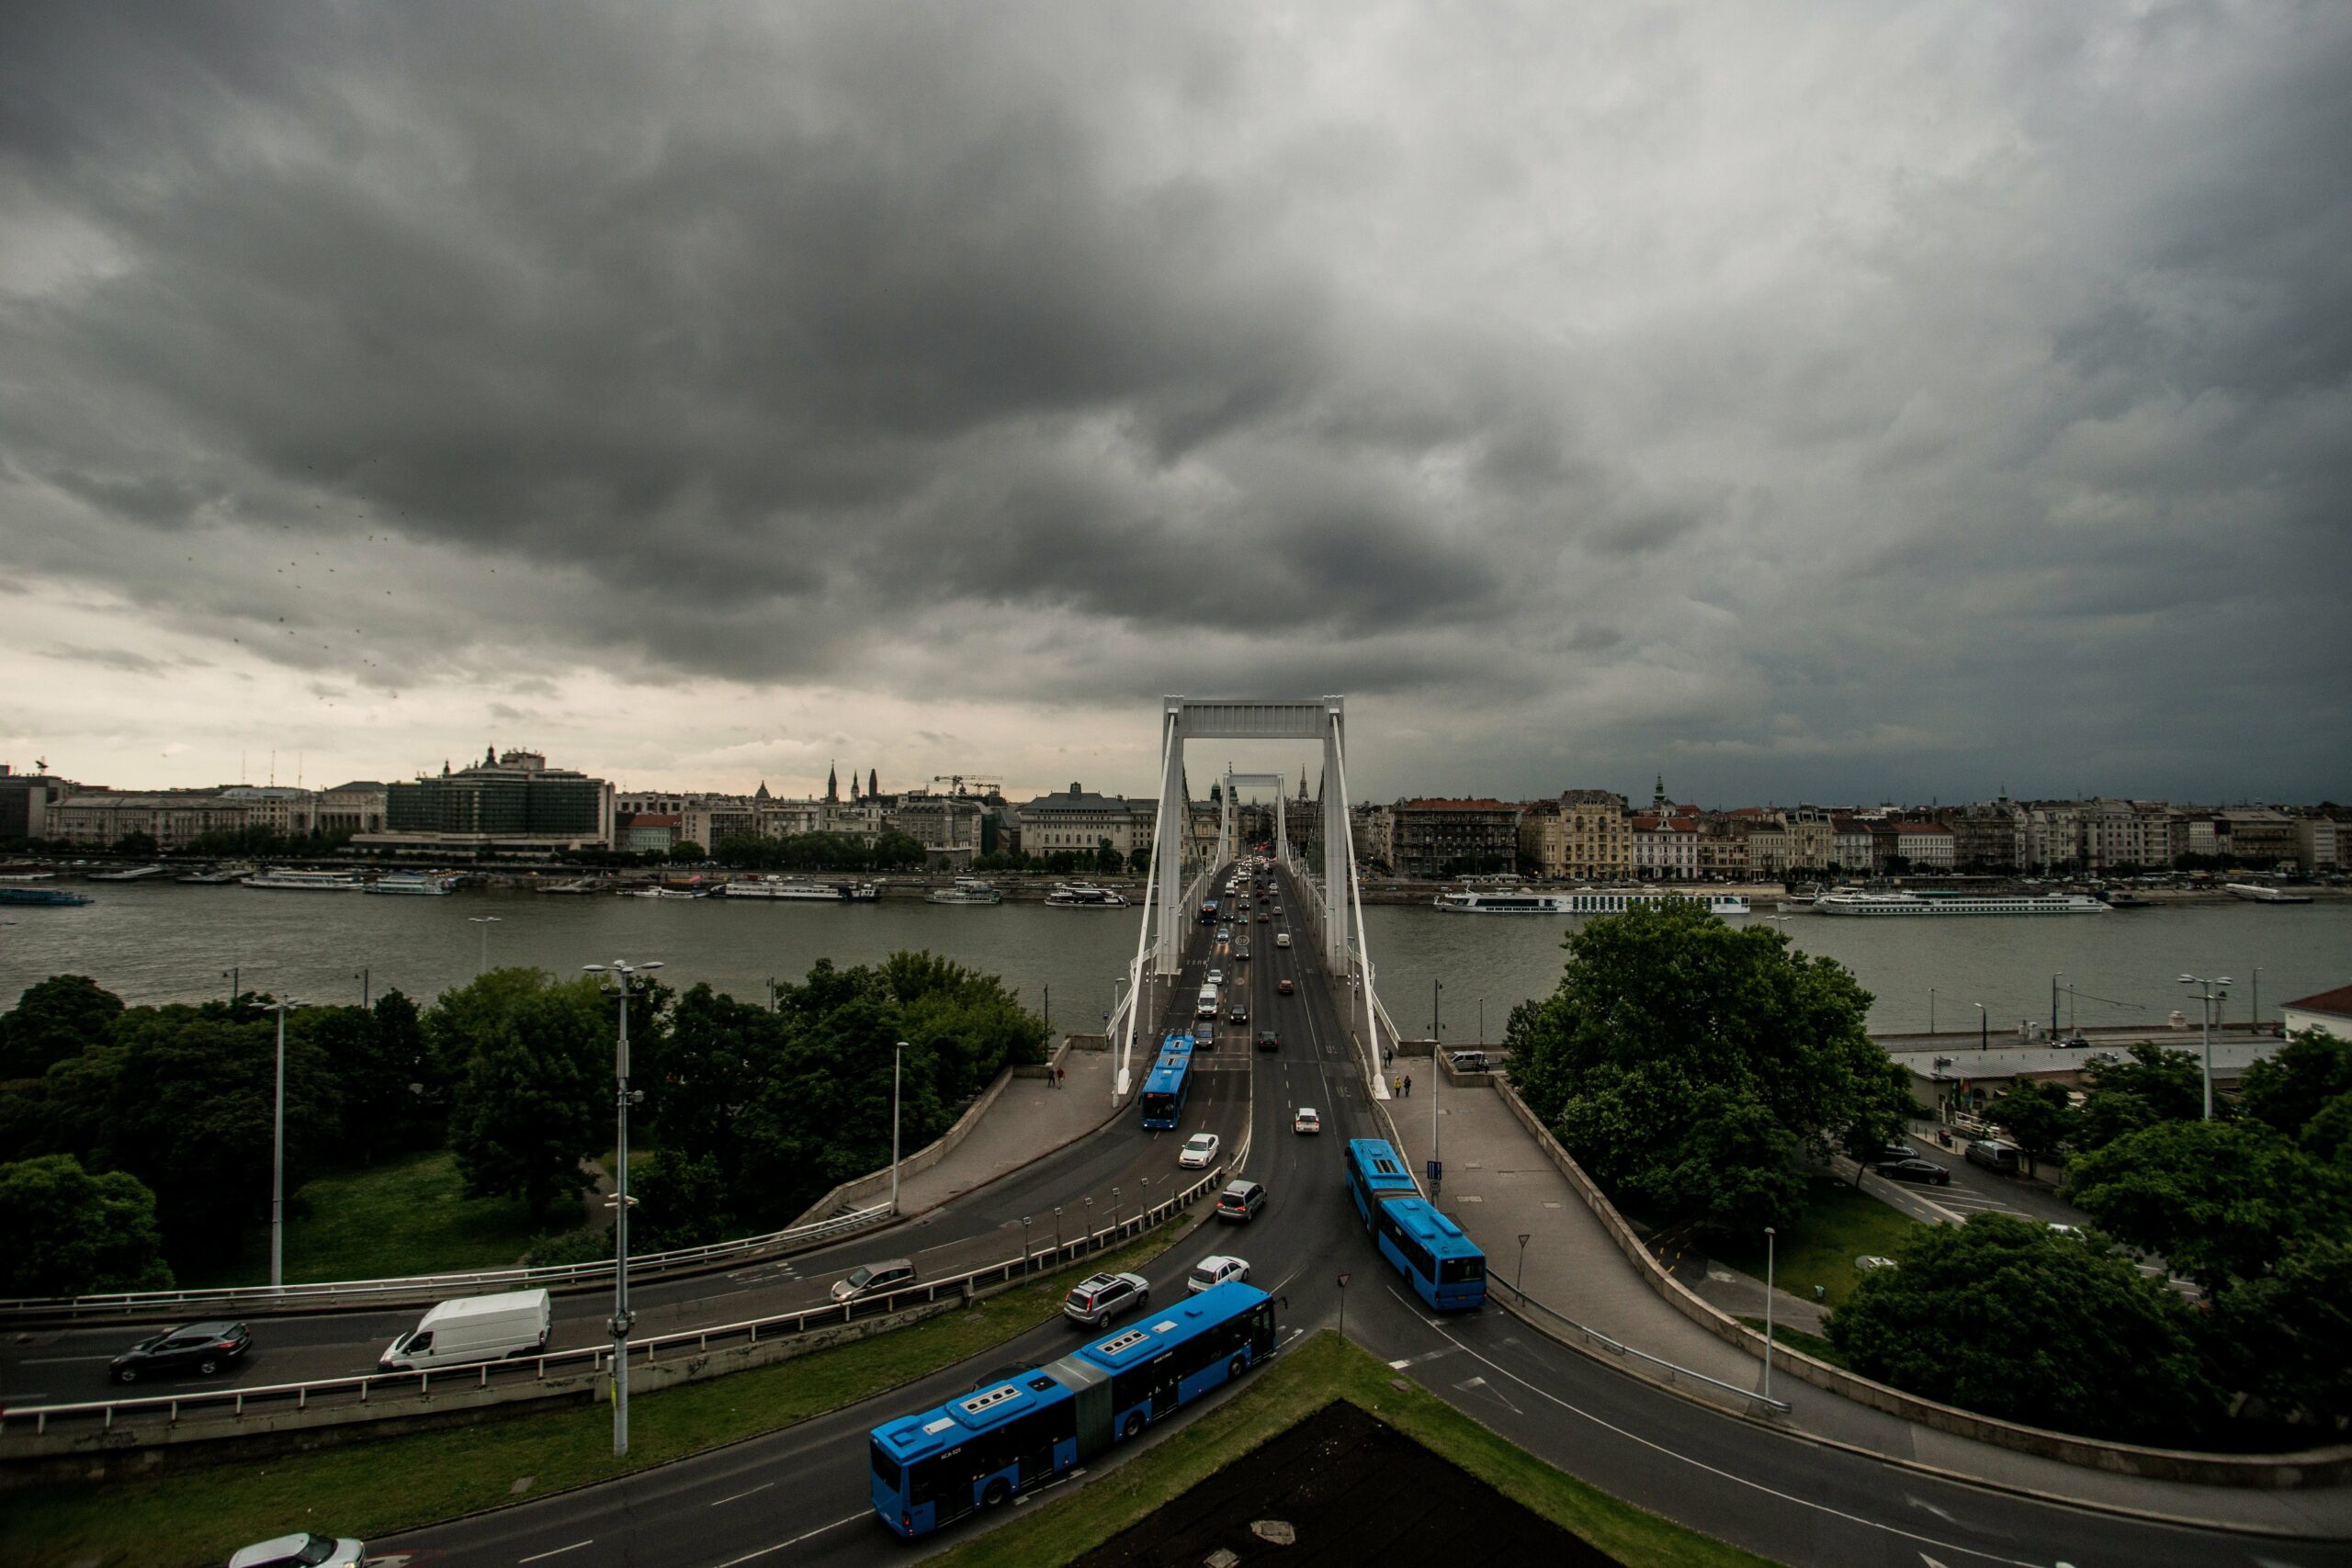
[(1084, 896), (787, 889), (416, 884), (1583, 902), (1907, 906), (305, 881), (966, 890), (133, 874), (2262, 893)]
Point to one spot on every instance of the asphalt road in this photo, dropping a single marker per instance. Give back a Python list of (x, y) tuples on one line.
[(798, 1495)]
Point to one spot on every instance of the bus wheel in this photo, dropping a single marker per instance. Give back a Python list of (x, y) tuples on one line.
[(1134, 1426), (1236, 1367), (995, 1493)]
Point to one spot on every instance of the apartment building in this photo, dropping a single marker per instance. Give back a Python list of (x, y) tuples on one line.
[(1543, 839), (1666, 848), (1599, 836), (1445, 838)]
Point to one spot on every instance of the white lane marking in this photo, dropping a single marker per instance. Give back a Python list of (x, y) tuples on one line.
[(559, 1550), (1739, 1480), (795, 1540), (1923, 1503), (760, 1487)]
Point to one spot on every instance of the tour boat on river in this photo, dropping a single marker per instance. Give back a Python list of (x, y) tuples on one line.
[(787, 889), (416, 884), (1084, 896), (1893, 906), (966, 890), (305, 881), (1585, 902), (18, 894), (2263, 892)]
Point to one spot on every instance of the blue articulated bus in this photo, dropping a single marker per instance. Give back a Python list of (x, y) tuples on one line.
[(974, 1452), (1444, 1267), (1169, 1085)]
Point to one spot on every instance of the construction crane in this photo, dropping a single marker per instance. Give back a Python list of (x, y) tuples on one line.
[(958, 784)]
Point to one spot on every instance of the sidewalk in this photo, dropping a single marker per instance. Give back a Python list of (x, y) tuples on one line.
[(1029, 1120), (1499, 1185)]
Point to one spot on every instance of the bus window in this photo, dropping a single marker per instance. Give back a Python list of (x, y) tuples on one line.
[(1454, 1271), (885, 1468)]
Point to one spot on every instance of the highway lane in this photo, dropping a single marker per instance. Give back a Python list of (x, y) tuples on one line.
[(65, 1365), (798, 1495)]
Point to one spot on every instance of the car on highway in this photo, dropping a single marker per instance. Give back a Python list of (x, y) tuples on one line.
[(1871, 1262), (1215, 1270), (1199, 1151), (1282, 987), (2075, 1042), (1282, 938), (1096, 1298), (1240, 1201), (1269, 1040), (870, 1278), (1242, 952), (1924, 1172), (1237, 1013), (1306, 1119), (203, 1347), (301, 1550), (1224, 933), (1263, 917)]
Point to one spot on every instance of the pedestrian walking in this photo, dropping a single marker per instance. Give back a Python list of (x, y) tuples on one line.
[(1408, 1085)]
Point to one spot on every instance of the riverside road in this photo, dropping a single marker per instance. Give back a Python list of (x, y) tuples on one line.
[(799, 1495)]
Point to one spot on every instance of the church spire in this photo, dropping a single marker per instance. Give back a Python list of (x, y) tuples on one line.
[(872, 787), (832, 783)]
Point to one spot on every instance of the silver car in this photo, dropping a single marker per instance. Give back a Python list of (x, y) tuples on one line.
[(304, 1550)]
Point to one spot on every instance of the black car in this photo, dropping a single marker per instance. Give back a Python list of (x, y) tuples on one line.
[(1269, 1040), (195, 1346), (1921, 1171)]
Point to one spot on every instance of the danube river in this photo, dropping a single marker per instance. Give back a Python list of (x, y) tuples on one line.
[(161, 942)]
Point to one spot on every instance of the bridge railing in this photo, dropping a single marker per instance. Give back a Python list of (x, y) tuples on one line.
[(250, 1299), (389, 1395)]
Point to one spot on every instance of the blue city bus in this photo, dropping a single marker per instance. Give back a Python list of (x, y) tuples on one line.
[(1375, 1174), (1169, 1085), (976, 1451), (1444, 1267)]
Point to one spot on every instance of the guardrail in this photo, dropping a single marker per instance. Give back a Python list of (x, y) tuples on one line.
[(412, 1392), (248, 1299)]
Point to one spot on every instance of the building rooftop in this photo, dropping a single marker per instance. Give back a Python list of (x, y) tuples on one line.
[(2337, 1001)]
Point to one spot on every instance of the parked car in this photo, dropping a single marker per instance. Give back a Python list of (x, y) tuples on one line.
[(192, 1348), (1215, 1270), (1097, 1298), (1240, 1201), (1269, 1040), (2076, 1043), (1199, 1151), (302, 1551), (1237, 1013), (1471, 1061), (1306, 1119), (1870, 1262), (1282, 987), (1994, 1154), (1896, 1151), (874, 1278), (1919, 1171)]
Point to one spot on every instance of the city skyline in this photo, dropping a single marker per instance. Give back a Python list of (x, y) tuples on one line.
[(1809, 411)]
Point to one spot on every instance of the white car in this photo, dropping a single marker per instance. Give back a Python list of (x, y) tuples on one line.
[(1870, 1262), (1216, 977), (1199, 1151), (1309, 1120), (1282, 938), (303, 1551), (1215, 1270)]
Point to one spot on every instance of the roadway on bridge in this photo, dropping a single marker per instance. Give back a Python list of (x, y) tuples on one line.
[(799, 1494)]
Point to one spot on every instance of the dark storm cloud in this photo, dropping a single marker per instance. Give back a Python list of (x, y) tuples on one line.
[(1462, 365)]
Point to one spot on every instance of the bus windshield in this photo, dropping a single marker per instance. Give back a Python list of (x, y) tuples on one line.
[(885, 1468), (1157, 1106)]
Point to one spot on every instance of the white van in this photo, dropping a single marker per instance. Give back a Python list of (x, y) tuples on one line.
[(1206, 1006), (474, 1328)]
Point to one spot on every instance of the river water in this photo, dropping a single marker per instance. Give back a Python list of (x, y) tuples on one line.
[(153, 942)]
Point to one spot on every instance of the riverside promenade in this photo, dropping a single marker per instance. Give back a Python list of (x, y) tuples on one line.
[(1499, 1185)]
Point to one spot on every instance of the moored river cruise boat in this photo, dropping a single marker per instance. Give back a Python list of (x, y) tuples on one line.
[(1902, 905), (1583, 902)]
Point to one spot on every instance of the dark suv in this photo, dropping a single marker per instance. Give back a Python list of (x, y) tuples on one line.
[(196, 1347)]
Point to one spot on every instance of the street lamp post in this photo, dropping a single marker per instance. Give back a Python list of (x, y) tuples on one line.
[(1931, 1010), (2053, 1002), (1058, 1236), (1984, 1037), (1028, 1254), (2257, 998), (897, 1056), (363, 988), (277, 1159), (485, 922), (622, 973), (1769, 1259), (2211, 992)]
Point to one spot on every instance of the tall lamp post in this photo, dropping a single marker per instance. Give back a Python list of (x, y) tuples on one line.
[(278, 1158), (485, 922), (1769, 1247), (898, 1057), (1984, 1037), (621, 973), (1931, 1010), (2053, 1002), (2212, 993)]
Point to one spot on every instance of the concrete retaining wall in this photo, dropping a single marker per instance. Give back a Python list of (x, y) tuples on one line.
[(2319, 1467), (861, 1191)]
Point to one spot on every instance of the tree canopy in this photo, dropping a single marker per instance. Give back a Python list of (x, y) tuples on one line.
[(1685, 1062), (65, 1232), (53, 1020)]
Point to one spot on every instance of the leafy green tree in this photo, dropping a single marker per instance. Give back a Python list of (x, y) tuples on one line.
[(2219, 1199), (2170, 1083), (393, 1097), (531, 1107), (2109, 1115), (2037, 1118), (65, 1232), (2328, 1135), (2283, 1337), (137, 844), (1684, 1062), (687, 852), (2001, 1317), (54, 1019), (2287, 1089), (465, 1021)]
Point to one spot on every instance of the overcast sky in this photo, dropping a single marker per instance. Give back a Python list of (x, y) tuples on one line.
[(1802, 401)]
